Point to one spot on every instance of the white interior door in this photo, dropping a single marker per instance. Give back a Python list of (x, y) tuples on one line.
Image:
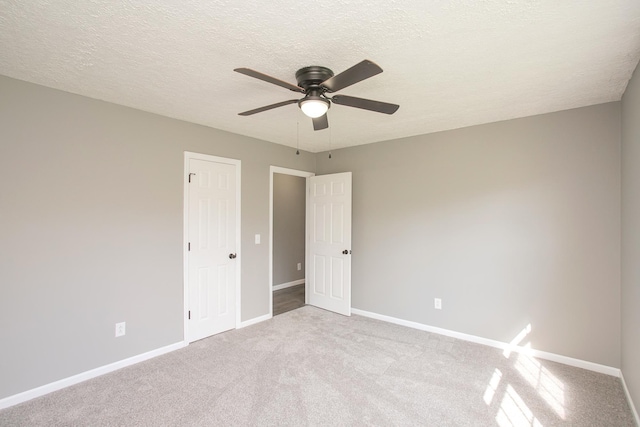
[(329, 234), (211, 256)]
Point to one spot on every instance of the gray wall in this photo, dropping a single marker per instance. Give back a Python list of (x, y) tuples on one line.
[(288, 227), (511, 223), (631, 237), (91, 201)]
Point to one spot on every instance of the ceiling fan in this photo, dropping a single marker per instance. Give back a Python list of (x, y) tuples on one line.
[(315, 82)]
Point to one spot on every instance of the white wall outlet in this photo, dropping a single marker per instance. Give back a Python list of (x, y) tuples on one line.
[(299, 266), (257, 239), (120, 329), (437, 303)]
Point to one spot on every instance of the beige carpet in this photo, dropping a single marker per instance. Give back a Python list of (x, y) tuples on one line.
[(309, 367)]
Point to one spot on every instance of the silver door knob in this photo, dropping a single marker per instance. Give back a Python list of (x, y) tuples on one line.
[(232, 256)]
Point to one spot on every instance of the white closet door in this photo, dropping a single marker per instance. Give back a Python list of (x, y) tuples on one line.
[(212, 248)]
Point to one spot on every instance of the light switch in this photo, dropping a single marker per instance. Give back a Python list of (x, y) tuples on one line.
[(257, 239)]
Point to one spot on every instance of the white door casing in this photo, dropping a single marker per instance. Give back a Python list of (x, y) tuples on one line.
[(212, 247), (329, 242)]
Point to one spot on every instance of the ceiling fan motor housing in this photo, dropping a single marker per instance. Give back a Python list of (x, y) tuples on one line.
[(313, 76)]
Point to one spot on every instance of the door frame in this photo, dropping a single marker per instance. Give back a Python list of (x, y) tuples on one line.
[(294, 172), (188, 155)]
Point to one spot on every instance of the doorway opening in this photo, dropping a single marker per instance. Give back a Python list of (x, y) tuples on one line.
[(287, 232)]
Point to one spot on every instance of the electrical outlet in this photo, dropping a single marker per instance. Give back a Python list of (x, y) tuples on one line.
[(257, 239), (120, 329), (437, 303), (299, 266)]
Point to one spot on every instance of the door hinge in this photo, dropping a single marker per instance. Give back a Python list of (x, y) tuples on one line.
[(190, 176), (189, 314), (189, 246)]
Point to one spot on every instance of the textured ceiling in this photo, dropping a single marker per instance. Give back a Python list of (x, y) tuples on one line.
[(448, 64)]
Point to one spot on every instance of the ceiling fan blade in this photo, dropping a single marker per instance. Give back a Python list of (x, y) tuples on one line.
[(321, 122), (355, 74), (268, 107), (365, 104), (251, 73)]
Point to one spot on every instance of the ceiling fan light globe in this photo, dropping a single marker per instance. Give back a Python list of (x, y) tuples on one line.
[(315, 107)]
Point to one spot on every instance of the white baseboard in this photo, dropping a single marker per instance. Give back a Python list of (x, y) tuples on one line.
[(84, 376), (631, 405), (603, 369), (87, 375), (254, 321), (288, 284)]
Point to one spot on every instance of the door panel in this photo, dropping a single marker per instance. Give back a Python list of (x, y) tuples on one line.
[(337, 274), (318, 270), (329, 225), (212, 236)]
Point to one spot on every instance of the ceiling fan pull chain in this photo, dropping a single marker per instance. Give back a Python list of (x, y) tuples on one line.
[(297, 138), (329, 142)]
